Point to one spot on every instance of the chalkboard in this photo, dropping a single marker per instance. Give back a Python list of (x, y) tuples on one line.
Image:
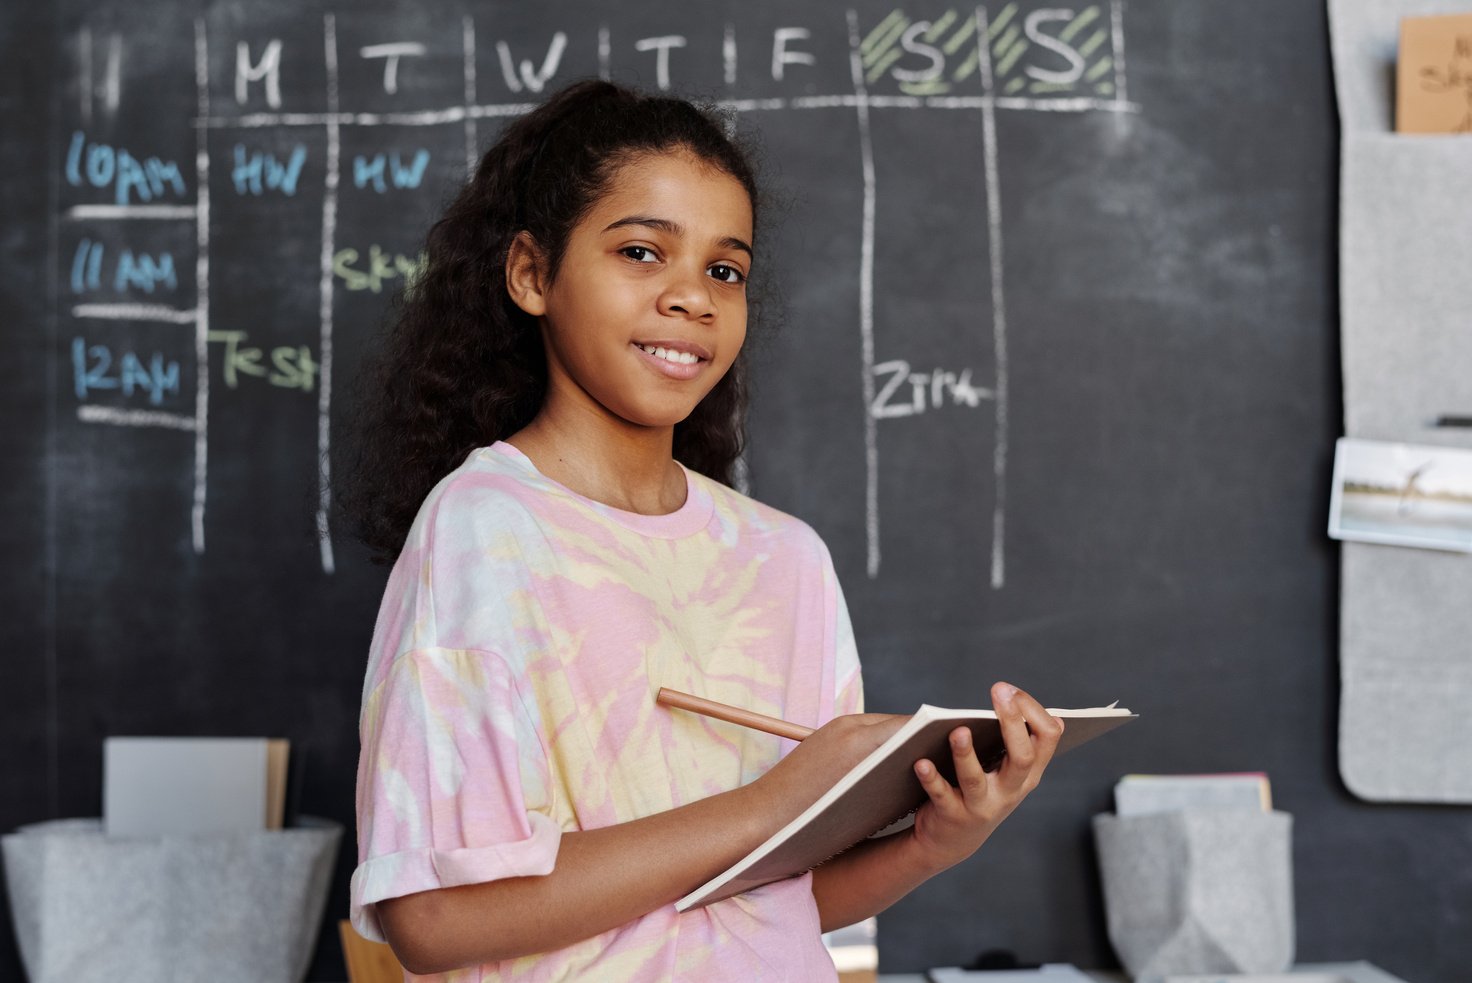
[(1049, 360)]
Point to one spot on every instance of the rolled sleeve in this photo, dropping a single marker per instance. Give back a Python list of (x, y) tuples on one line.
[(453, 782)]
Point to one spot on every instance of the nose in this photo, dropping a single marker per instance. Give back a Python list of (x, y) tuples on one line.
[(688, 296)]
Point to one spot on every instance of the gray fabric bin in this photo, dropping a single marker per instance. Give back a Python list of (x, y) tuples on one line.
[(1198, 891), (242, 907)]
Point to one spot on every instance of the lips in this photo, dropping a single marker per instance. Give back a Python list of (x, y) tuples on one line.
[(673, 363)]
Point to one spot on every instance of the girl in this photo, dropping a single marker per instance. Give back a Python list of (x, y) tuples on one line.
[(561, 404)]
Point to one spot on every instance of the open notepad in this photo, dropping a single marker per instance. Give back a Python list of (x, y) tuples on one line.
[(881, 790)]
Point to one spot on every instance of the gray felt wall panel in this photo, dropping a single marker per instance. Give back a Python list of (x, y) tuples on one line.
[(1406, 292)]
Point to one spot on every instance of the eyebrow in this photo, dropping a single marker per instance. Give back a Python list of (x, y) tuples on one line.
[(676, 229)]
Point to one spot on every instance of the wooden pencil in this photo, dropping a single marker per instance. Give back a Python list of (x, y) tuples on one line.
[(735, 715)]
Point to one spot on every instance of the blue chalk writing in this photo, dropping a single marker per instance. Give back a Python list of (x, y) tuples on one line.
[(91, 365), (255, 172), (101, 165), (380, 168), (140, 271), (144, 272), (87, 266)]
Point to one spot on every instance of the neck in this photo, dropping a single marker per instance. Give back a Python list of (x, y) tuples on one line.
[(602, 457)]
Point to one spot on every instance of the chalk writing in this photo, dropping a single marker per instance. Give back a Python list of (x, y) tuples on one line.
[(781, 56), (269, 68), (1045, 52), (289, 366), (391, 53), (530, 78), (141, 271), (381, 268), (92, 369), (925, 57), (662, 46), (256, 172), (1065, 51), (928, 391), (381, 170), (87, 266), (101, 165)]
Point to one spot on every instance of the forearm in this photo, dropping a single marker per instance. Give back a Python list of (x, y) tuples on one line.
[(603, 878), (870, 877)]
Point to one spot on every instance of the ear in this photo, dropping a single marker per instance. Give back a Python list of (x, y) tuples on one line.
[(525, 276)]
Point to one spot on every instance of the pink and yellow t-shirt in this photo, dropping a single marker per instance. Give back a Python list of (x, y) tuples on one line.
[(510, 697)]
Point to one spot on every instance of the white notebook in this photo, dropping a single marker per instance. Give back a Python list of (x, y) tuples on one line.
[(881, 790)]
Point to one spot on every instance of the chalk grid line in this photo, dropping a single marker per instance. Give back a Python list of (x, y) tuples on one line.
[(324, 343), (999, 306), (866, 305), (472, 139), (201, 289), (456, 114)]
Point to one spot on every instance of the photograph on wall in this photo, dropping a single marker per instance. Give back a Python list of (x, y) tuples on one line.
[(1402, 494)]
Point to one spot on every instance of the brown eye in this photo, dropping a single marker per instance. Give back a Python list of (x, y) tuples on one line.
[(727, 274), (639, 254)]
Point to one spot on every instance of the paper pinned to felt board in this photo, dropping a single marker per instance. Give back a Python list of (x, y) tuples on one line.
[(1406, 300), (1433, 81)]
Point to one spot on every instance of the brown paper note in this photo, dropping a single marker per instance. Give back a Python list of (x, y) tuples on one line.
[(1434, 76)]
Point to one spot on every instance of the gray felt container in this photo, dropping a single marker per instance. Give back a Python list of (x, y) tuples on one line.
[(1198, 891), (231, 907)]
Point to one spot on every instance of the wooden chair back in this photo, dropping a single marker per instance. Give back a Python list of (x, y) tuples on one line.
[(368, 962)]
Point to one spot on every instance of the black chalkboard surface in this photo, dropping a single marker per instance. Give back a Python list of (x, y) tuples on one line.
[(1049, 361)]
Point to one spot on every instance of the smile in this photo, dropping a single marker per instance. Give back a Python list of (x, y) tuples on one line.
[(669, 362), (669, 355)]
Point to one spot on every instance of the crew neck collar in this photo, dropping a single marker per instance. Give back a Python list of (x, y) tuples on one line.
[(688, 519)]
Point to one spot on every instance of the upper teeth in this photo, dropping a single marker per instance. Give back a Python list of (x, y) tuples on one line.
[(670, 355)]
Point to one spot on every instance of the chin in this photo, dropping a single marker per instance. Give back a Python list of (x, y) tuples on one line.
[(657, 417), (662, 421), (655, 412)]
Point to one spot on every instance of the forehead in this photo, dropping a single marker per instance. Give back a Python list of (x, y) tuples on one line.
[(704, 199)]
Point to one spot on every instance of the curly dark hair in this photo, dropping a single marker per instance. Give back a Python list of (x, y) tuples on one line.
[(461, 365)]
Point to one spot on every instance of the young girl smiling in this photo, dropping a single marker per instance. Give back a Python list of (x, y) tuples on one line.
[(548, 455)]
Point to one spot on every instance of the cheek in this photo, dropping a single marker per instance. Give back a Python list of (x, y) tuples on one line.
[(738, 334)]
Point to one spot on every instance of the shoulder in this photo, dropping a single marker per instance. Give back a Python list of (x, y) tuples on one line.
[(485, 496), (757, 521)]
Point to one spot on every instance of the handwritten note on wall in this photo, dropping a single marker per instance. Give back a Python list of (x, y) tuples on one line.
[(1434, 78)]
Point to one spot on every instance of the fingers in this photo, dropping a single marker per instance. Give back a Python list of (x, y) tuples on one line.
[(940, 791), (1030, 733), (970, 776), (970, 784)]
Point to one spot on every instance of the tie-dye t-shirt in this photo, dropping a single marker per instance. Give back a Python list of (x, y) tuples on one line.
[(510, 697)]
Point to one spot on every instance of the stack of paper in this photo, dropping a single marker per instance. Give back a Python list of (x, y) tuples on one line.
[(1141, 795)]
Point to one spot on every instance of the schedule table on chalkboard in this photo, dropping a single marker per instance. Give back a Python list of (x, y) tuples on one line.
[(224, 256)]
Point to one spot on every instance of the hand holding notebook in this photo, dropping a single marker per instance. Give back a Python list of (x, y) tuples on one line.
[(998, 763)]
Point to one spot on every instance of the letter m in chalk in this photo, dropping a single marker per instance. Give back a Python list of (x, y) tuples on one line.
[(268, 68)]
